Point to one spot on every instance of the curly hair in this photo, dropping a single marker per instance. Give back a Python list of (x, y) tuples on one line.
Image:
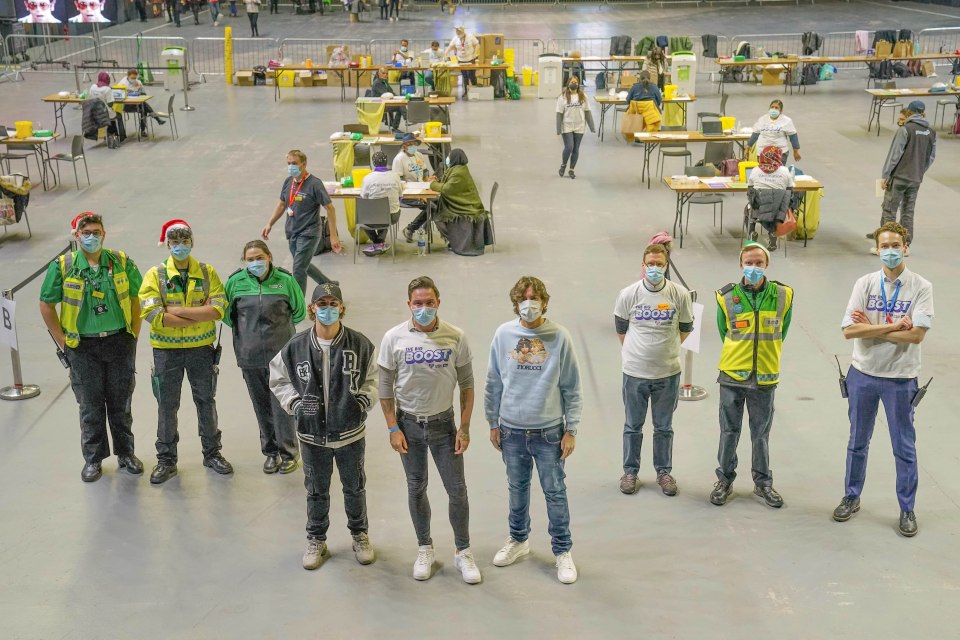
[(524, 283), (891, 227)]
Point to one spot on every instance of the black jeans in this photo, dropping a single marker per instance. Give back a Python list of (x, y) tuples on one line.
[(439, 438), (901, 194), (759, 403), (395, 8), (384, 8), (317, 471), (421, 218), (274, 6), (571, 148), (253, 24), (469, 77), (169, 365), (173, 11), (103, 377), (141, 9), (278, 434)]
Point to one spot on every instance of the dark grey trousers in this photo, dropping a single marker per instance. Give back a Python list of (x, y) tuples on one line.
[(278, 434), (902, 195), (759, 403), (317, 471), (169, 365)]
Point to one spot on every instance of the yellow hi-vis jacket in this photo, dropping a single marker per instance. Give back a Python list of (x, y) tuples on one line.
[(162, 288), (73, 288), (754, 336)]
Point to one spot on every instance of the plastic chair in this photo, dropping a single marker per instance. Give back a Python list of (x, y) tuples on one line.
[(493, 227), (418, 112), (708, 114), (171, 117), (704, 198), (672, 149), (356, 128), (716, 152), (372, 213), (76, 155), (941, 109), (895, 106)]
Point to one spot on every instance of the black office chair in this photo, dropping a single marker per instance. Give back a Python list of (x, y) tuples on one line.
[(672, 150)]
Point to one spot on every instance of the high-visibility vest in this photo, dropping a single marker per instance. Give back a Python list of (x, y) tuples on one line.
[(73, 288), (754, 337), (197, 335)]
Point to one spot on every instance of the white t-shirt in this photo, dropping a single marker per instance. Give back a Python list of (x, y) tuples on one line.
[(651, 347), (774, 133), (878, 357), (779, 179), (413, 168), (574, 119), (426, 365), (466, 49), (383, 184)]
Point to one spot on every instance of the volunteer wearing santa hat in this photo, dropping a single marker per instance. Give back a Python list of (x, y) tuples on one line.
[(753, 316), (97, 329), (182, 299)]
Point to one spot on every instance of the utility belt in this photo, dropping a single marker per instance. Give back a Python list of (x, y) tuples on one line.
[(444, 416)]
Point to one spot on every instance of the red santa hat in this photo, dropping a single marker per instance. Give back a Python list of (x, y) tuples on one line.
[(80, 216), (170, 225)]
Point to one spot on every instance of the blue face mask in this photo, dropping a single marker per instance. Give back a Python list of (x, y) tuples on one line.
[(257, 268), (180, 252), (447, 161), (424, 316), (328, 315), (293, 170), (774, 113), (753, 275), (655, 274), (891, 257), (90, 244)]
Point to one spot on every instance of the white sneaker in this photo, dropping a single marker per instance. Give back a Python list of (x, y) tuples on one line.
[(566, 570), (463, 560), (313, 556), (510, 552), (362, 548), (423, 567)]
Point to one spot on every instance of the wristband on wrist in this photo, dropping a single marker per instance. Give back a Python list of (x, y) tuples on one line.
[(393, 429)]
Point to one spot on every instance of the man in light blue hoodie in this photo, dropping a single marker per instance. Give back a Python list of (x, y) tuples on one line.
[(532, 404)]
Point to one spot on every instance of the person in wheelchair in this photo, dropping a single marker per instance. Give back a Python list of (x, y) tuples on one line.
[(769, 192)]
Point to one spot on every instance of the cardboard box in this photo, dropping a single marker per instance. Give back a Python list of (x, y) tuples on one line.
[(244, 78), (480, 94), (490, 43), (627, 80), (305, 78), (772, 74)]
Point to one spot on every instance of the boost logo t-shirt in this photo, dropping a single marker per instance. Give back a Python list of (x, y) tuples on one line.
[(651, 347)]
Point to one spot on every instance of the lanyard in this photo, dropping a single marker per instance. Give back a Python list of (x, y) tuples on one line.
[(293, 194), (887, 308)]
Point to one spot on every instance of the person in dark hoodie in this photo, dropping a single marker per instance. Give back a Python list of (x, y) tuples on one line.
[(912, 151), (264, 302), (326, 378)]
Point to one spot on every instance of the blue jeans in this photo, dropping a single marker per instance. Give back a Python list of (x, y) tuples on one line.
[(759, 403), (662, 395), (303, 248), (521, 448), (865, 394)]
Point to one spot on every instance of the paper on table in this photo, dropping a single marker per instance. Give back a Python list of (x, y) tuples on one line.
[(804, 178), (350, 191), (417, 186), (693, 340)]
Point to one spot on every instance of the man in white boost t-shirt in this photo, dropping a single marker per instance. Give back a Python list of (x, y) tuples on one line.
[(887, 318), (422, 361), (652, 317)]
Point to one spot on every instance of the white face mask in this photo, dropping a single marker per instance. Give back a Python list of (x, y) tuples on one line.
[(530, 310)]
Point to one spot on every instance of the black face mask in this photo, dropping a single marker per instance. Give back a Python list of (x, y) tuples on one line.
[(574, 86)]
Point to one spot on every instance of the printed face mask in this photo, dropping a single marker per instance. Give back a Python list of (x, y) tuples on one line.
[(257, 268), (424, 315), (891, 257), (655, 274), (753, 275), (530, 310), (327, 315)]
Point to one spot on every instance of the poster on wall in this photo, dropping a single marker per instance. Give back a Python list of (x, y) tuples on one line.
[(89, 11), (40, 11)]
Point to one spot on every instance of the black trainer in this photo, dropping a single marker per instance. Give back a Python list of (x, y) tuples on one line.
[(163, 472), (721, 491), (908, 524), (846, 509), (91, 472), (770, 496), (218, 464)]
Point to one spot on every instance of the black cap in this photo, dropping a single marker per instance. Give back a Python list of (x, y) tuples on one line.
[(327, 289)]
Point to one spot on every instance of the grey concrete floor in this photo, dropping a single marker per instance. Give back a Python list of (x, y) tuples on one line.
[(210, 557)]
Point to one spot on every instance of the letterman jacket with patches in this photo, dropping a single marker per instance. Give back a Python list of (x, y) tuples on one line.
[(296, 379)]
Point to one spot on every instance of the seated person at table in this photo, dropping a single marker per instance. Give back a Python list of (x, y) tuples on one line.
[(412, 166), (381, 86), (645, 90), (433, 56), (461, 217), (381, 183), (136, 88), (769, 189), (102, 91), (404, 57)]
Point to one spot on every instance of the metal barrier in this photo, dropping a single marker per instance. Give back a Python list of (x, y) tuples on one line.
[(940, 40), (129, 51), (252, 52), (299, 49), (526, 51), (586, 46), (688, 390), (20, 391), (382, 50), (57, 51), (207, 57), (771, 43), (843, 43)]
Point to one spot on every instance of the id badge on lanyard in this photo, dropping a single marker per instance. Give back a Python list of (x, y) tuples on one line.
[(294, 196)]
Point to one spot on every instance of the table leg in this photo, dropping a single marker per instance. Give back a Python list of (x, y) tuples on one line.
[(683, 111), (603, 116), (276, 85), (343, 86), (803, 214), (645, 172), (58, 116)]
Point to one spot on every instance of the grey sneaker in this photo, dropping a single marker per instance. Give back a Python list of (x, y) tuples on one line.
[(908, 524), (362, 548), (721, 491), (667, 484), (314, 555), (770, 496), (629, 484), (846, 509)]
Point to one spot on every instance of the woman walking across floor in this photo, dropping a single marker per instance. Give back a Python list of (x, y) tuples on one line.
[(573, 117), (253, 12)]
